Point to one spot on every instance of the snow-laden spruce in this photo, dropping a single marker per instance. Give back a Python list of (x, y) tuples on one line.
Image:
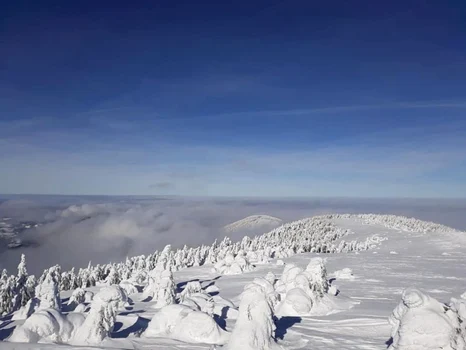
[(190, 288), (305, 292), (420, 322), (255, 326), (233, 265), (101, 318)]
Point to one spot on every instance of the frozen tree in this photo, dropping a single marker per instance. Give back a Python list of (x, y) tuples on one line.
[(101, 318), (21, 293), (128, 287), (153, 281), (296, 302), (139, 274), (48, 293), (7, 294), (255, 327), (317, 275), (65, 283), (302, 290), (30, 285), (288, 278), (165, 294), (77, 297), (190, 288), (232, 265), (421, 323), (164, 257), (113, 276), (74, 281)]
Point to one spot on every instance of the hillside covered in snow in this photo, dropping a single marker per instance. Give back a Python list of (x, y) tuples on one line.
[(261, 223), (336, 281)]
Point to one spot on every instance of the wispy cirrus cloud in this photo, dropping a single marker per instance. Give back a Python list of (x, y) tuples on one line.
[(418, 159)]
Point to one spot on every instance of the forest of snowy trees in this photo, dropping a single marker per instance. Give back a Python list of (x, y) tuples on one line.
[(89, 318)]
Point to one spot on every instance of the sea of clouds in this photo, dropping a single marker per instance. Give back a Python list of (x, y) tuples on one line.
[(76, 230)]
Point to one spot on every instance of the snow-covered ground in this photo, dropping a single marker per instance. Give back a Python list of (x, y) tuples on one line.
[(364, 288)]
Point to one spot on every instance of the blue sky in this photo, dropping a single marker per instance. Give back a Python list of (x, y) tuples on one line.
[(262, 98)]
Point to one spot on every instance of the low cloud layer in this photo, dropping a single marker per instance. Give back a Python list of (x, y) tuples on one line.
[(76, 230)]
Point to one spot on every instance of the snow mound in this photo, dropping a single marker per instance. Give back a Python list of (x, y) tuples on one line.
[(181, 322), (254, 223)]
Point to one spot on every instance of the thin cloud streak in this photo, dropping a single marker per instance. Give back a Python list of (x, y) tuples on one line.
[(342, 109)]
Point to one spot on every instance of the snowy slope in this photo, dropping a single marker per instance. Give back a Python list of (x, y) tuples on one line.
[(254, 223), (406, 253)]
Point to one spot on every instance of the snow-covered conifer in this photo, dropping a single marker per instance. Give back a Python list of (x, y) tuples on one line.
[(190, 288), (165, 294), (77, 297), (48, 293), (113, 276), (317, 275), (7, 294), (101, 318), (255, 327), (422, 323)]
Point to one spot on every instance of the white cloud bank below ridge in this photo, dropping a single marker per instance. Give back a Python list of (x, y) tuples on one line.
[(111, 228)]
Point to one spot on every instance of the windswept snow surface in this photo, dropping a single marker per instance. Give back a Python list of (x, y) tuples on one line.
[(430, 258)]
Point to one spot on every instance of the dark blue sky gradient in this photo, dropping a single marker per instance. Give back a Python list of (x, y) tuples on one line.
[(263, 78)]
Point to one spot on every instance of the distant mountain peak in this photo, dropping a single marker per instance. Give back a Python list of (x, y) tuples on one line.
[(254, 222)]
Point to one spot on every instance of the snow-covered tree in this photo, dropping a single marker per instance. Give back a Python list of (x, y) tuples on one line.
[(165, 294), (101, 318), (7, 293), (255, 327), (421, 322), (113, 276), (317, 275), (77, 297), (48, 294), (190, 288), (21, 293)]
